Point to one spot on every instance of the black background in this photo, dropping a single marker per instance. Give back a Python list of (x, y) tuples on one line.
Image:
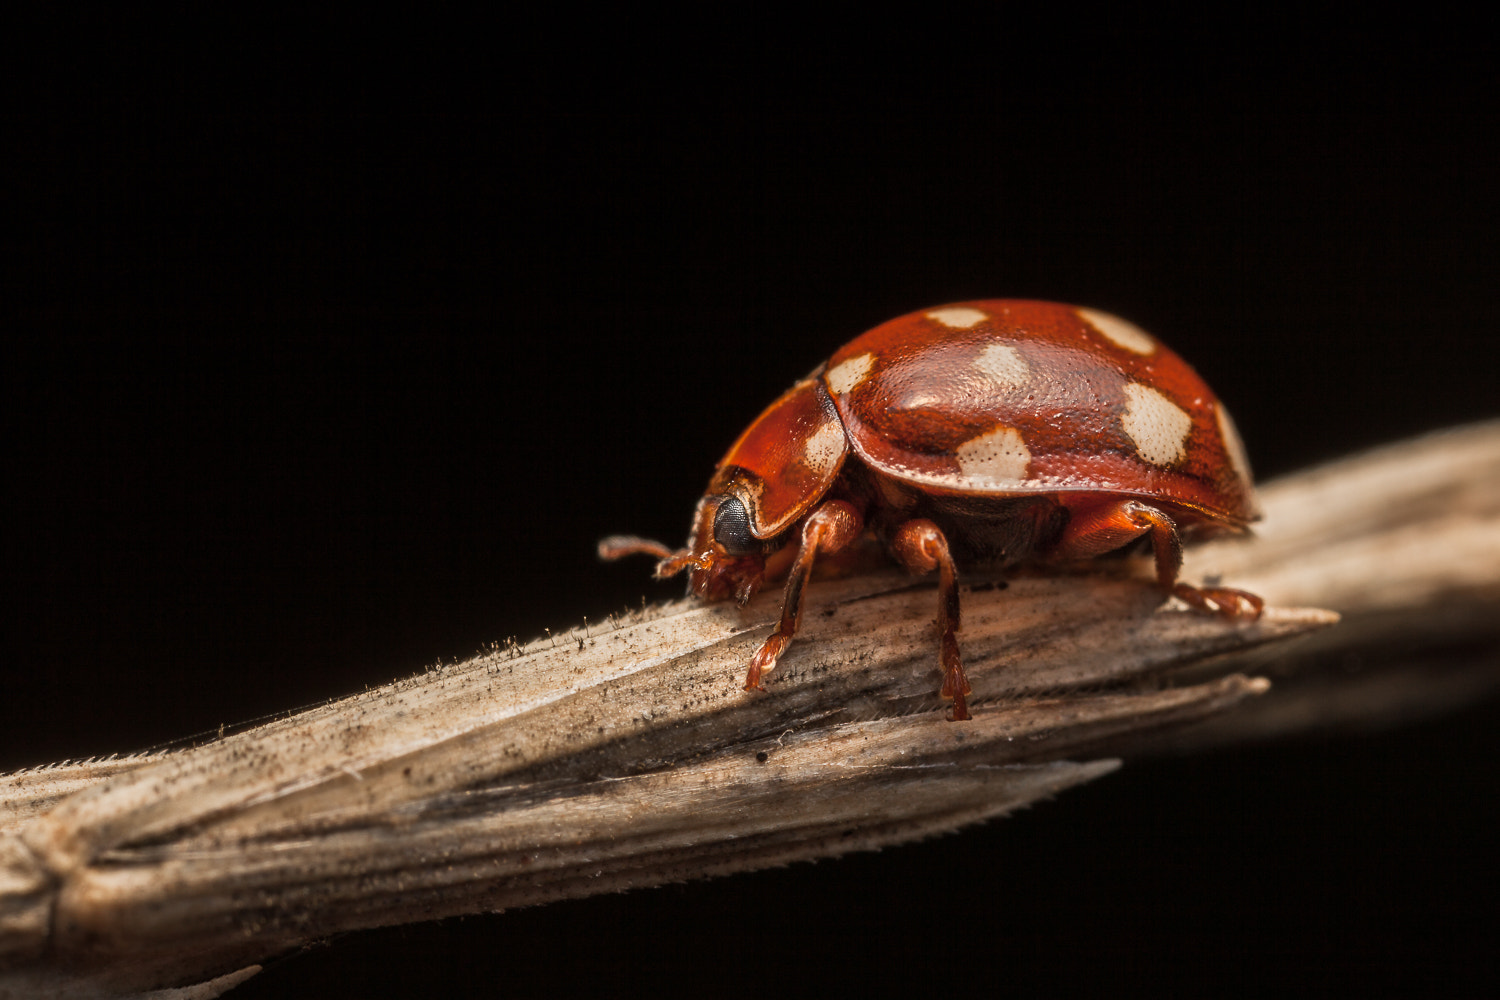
[(337, 355)]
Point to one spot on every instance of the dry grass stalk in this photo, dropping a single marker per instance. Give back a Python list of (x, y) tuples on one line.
[(624, 756)]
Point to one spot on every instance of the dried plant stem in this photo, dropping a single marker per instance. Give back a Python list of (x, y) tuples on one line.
[(628, 756)]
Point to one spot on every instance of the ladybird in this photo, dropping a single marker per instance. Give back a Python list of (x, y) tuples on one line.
[(980, 434)]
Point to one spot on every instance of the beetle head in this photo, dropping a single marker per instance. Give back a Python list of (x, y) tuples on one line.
[(723, 558)]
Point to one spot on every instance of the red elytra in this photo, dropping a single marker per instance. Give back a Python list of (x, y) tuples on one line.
[(988, 433)]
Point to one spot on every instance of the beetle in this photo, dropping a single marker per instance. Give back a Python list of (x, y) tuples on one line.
[(989, 433)]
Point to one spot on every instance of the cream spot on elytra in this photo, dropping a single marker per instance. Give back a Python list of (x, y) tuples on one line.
[(1004, 366), (826, 446), (957, 317), (844, 376), (994, 458), (1158, 426), (1232, 443), (1120, 332)]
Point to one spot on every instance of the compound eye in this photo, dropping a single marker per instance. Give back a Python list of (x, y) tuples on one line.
[(732, 527)]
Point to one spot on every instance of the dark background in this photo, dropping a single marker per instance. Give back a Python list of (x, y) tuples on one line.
[(334, 365)]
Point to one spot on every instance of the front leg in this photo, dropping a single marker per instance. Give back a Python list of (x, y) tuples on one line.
[(829, 528), (1094, 531)]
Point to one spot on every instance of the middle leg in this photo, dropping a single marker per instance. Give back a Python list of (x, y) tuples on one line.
[(920, 546)]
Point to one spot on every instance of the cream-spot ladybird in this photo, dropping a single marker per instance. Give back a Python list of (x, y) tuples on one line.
[(988, 433)]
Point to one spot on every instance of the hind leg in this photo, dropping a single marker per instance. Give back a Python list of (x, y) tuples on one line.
[(1093, 532)]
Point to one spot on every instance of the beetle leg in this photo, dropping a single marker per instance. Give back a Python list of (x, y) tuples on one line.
[(829, 528), (920, 546), (1103, 529)]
